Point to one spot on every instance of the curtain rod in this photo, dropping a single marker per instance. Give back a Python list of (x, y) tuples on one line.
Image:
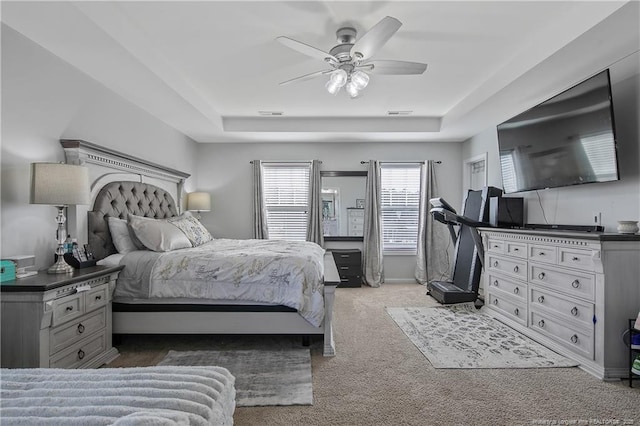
[(301, 161), (403, 162)]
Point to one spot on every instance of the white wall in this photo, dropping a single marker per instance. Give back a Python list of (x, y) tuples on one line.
[(577, 205), (224, 170), (44, 100)]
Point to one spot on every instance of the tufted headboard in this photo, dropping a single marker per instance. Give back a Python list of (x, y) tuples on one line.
[(118, 199)]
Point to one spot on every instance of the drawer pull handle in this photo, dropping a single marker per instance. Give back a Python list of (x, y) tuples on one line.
[(575, 284), (516, 311), (541, 253), (495, 246), (541, 323), (541, 299), (576, 259), (98, 297), (541, 275), (516, 290), (574, 311), (80, 354), (574, 338), (344, 256), (495, 283), (69, 308), (516, 249), (344, 267), (516, 269), (495, 264), (80, 328), (495, 302)]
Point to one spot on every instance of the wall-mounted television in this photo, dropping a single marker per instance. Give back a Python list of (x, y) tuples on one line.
[(566, 140)]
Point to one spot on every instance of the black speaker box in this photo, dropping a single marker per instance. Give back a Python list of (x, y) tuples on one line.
[(506, 212)]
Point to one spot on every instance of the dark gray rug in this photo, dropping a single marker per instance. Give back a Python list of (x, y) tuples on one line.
[(263, 377), (463, 337)]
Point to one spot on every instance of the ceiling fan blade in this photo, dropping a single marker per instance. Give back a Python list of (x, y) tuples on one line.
[(375, 38), (307, 76), (394, 67), (306, 49)]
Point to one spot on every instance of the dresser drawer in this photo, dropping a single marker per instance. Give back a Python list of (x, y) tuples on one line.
[(575, 258), (347, 257), (570, 282), (67, 308), (541, 253), (516, 310), (96, 297), (513, 288), (570, 309), (577, 340), (67, 334), (495, 246), (516, 249), (80, 353), (513, 267)]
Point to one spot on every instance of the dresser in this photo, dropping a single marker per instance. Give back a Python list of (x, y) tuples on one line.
[(355, 222), (59, 320), (571, 291), (349, 264)]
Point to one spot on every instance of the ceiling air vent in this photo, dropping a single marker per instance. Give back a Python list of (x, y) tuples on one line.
[(399, 112), (270, 113)]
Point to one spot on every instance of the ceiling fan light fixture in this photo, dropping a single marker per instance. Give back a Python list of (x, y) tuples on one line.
[(360, 79), (339, 77), (352, 89), (332, 87)]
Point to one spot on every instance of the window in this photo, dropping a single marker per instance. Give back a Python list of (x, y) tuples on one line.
[(400, 197), (286, 198)]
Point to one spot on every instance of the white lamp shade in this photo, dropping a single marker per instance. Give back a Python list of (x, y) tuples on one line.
[(59, 184), (199, 201)]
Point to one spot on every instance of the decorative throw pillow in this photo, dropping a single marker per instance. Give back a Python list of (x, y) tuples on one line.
[(158, 234), (122, 236), (192, 228)]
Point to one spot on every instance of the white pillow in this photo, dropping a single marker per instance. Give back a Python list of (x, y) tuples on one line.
[(192, 228), (158, 234), (121, 236)]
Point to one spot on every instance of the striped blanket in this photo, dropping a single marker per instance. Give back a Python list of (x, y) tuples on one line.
[(119, 396)]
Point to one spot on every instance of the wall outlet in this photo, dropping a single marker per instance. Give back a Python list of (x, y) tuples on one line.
[(597, 218)]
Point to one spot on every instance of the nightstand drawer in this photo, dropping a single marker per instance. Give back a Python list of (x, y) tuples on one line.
[(66, 335), (96, 297), (67, 308), (347, 257), (353, 281), (80, 353)]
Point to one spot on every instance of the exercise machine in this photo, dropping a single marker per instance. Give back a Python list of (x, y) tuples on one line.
[(469, 251)]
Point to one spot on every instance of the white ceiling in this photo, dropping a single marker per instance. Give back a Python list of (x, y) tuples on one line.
[(207, 68)]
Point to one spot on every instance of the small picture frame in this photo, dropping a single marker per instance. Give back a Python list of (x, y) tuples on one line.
[(360, 203)]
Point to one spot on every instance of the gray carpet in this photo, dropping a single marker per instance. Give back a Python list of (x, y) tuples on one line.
[(263, 377), (463, 337)]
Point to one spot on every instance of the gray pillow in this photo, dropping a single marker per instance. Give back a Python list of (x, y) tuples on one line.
[(122, 236), (158, 234)]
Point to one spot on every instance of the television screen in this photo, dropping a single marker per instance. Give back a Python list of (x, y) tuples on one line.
[(566, 140)]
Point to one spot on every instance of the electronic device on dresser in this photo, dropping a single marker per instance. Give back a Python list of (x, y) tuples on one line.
[(469, 252), (506, 212)]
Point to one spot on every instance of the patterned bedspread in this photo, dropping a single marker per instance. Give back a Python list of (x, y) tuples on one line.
[(268, 271)]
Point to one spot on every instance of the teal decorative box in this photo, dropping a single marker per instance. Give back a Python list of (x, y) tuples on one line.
[(7, 271)]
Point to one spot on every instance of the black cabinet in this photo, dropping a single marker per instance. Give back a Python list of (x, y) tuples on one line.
[(634, 350), (349, 264)]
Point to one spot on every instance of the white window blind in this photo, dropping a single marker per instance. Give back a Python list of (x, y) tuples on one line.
[(286, 198), (400, 196)]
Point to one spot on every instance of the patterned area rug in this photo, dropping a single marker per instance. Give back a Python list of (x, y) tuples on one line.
[(263, 377), (463, 337)]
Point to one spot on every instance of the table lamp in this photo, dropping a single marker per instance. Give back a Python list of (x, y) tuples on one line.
[(60, 185), (199, 202)]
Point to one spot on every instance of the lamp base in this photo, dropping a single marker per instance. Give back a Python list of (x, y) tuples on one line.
[(60, 267)]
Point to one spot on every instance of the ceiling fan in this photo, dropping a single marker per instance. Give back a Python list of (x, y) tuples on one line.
[(350, 60)]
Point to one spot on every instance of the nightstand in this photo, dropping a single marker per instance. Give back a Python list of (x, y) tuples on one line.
[(349, 264), (59, 320)]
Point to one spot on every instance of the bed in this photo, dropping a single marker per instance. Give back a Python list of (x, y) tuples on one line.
[(122, 186), (118, 396)]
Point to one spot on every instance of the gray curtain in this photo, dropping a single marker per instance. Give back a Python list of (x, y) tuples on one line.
[(260, 228), (314, 225), (372, 257), (432, 257)]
